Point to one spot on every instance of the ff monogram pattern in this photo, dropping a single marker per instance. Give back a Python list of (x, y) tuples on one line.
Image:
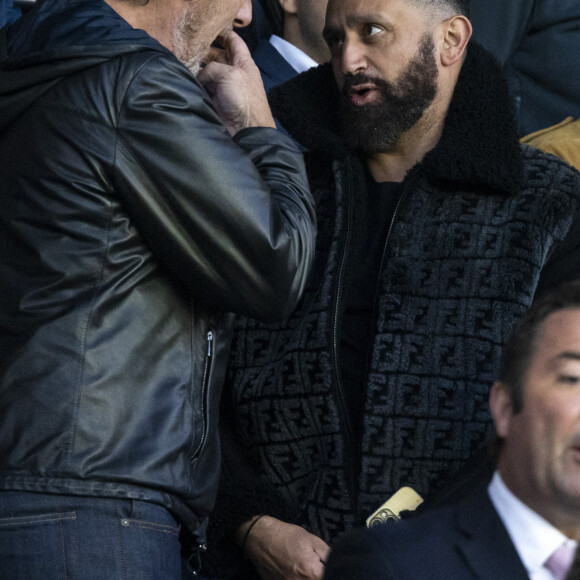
[(458, 271)]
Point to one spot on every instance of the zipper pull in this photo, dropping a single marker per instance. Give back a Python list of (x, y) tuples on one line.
[(194, 561), (209, 343)]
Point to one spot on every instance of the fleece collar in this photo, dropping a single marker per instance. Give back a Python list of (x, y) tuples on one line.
[(479, 146)]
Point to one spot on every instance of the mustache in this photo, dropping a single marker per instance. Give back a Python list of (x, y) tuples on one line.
[(363, 79)]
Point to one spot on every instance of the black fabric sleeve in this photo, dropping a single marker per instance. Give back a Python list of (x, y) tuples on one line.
[(233, 219)]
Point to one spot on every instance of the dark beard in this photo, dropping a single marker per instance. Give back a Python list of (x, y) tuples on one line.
[(376, 127)]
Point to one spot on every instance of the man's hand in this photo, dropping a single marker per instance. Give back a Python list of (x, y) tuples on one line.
[(234, 84), (282, 551)]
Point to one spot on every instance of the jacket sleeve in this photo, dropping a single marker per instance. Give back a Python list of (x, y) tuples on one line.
[(232, 218), (562, 211)]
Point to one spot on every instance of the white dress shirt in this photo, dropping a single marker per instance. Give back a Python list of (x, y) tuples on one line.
[(533, 537), (297, 59)]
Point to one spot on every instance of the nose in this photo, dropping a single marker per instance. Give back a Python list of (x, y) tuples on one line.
[(352, 57), (244, 15)]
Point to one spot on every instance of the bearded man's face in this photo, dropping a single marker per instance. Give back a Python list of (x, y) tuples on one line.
[(375, 125)]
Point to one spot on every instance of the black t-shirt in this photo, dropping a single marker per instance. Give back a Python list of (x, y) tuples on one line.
[(370, 229)]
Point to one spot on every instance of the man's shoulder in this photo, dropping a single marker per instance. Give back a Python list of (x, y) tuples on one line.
[(549, 176), (549, 161), (449, 542), (433, 528), (154, 72), (562, 140), (416, 547)]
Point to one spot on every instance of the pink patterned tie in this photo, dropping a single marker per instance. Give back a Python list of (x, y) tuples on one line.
[(560, 561)]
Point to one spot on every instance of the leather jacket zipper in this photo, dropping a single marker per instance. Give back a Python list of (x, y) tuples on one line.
[(204, 392)]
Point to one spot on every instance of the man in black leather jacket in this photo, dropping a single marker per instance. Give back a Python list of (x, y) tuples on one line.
[(139, 209)]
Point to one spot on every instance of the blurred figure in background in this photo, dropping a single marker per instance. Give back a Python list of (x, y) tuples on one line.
[(536, 41), (299, 46)]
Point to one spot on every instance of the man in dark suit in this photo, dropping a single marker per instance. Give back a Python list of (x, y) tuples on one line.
[(299, 44), (528, 518)]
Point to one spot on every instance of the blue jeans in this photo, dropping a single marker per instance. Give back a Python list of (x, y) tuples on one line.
[(86, 538)]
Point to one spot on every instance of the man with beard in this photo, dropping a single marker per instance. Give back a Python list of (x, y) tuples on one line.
[(436, 229), (140, 212)]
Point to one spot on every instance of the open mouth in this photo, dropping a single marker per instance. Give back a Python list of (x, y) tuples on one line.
[(362, 94)]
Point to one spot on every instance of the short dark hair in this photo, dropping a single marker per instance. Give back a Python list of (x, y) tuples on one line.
[(458, 6), (519, 348)]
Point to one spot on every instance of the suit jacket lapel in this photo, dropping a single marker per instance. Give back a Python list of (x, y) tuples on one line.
[(272, 64), (485, 543)]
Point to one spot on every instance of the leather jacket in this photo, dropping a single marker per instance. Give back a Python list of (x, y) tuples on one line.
[(132, 226)]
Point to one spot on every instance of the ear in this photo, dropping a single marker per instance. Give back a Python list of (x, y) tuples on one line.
[(456, 34), (500, 405), (289, 6)]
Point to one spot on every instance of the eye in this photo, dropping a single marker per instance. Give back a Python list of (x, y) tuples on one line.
[(371, 30), (332, 41), (568, 372), (569, 379)]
